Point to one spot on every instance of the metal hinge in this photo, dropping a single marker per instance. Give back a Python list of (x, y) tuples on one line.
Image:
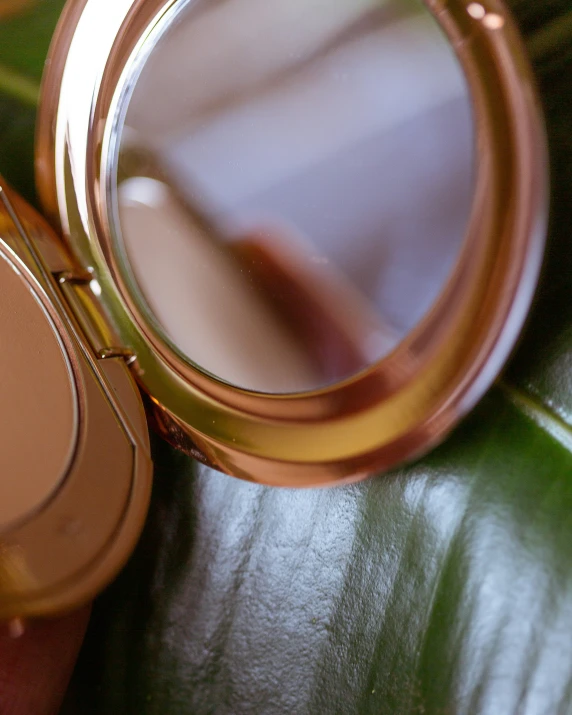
[(78, 291), (127, 355)]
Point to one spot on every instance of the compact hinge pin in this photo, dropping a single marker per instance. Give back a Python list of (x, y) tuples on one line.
[(73, 285), (127, 355), (74, 277)]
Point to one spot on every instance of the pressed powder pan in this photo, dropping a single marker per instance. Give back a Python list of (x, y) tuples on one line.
[(82, 338), (39, 407)]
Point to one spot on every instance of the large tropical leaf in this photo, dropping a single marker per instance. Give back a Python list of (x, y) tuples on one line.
[(445, 587)]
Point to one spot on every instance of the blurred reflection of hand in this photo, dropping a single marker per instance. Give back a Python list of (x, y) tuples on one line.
[(262, 310), (339, 331)]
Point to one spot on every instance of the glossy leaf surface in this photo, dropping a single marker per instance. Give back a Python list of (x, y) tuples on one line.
[(445, 587)]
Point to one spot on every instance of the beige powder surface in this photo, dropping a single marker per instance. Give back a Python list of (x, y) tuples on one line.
[(37, 400)]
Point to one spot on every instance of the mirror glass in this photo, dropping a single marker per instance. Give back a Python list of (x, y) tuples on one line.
[(294, 182)]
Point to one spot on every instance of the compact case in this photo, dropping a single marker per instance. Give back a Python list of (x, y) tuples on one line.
[(70, 520)]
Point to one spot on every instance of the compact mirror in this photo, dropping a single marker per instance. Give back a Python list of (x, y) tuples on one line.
[(312, 228), (294, 184), (270, 221)]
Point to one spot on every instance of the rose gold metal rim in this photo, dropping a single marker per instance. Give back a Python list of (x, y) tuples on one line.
[(60, 555), (401, 406)]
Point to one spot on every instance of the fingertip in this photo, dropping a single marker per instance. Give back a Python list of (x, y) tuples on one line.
[(36, 662)]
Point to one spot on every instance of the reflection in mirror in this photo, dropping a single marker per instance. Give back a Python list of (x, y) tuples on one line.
[(294, 183)]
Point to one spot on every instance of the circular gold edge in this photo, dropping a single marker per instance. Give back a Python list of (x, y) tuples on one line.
[(82, 585), (318, 438)]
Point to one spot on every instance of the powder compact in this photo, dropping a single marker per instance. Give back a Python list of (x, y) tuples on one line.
[(299, 238)]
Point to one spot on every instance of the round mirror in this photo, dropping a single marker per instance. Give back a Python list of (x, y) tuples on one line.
[(294, 182)]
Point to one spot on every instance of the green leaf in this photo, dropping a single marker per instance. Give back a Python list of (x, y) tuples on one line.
[(17, 122), (445, 587), (24, 41), (25, 37)]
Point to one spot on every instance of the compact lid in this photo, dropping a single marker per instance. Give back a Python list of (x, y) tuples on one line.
[(301, 383), (74, 464)]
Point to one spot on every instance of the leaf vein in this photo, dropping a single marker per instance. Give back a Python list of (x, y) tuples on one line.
[(539, 413)]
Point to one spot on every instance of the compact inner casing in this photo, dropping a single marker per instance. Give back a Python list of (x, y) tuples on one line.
[(75, 488)]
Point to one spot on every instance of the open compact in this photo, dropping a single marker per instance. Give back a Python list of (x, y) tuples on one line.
[(299, 238)]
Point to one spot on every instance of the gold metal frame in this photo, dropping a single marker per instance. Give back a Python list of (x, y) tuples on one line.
[(64, 552), (407, 402)]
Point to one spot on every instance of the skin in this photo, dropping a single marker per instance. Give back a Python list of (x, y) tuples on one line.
[(36, 667)]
